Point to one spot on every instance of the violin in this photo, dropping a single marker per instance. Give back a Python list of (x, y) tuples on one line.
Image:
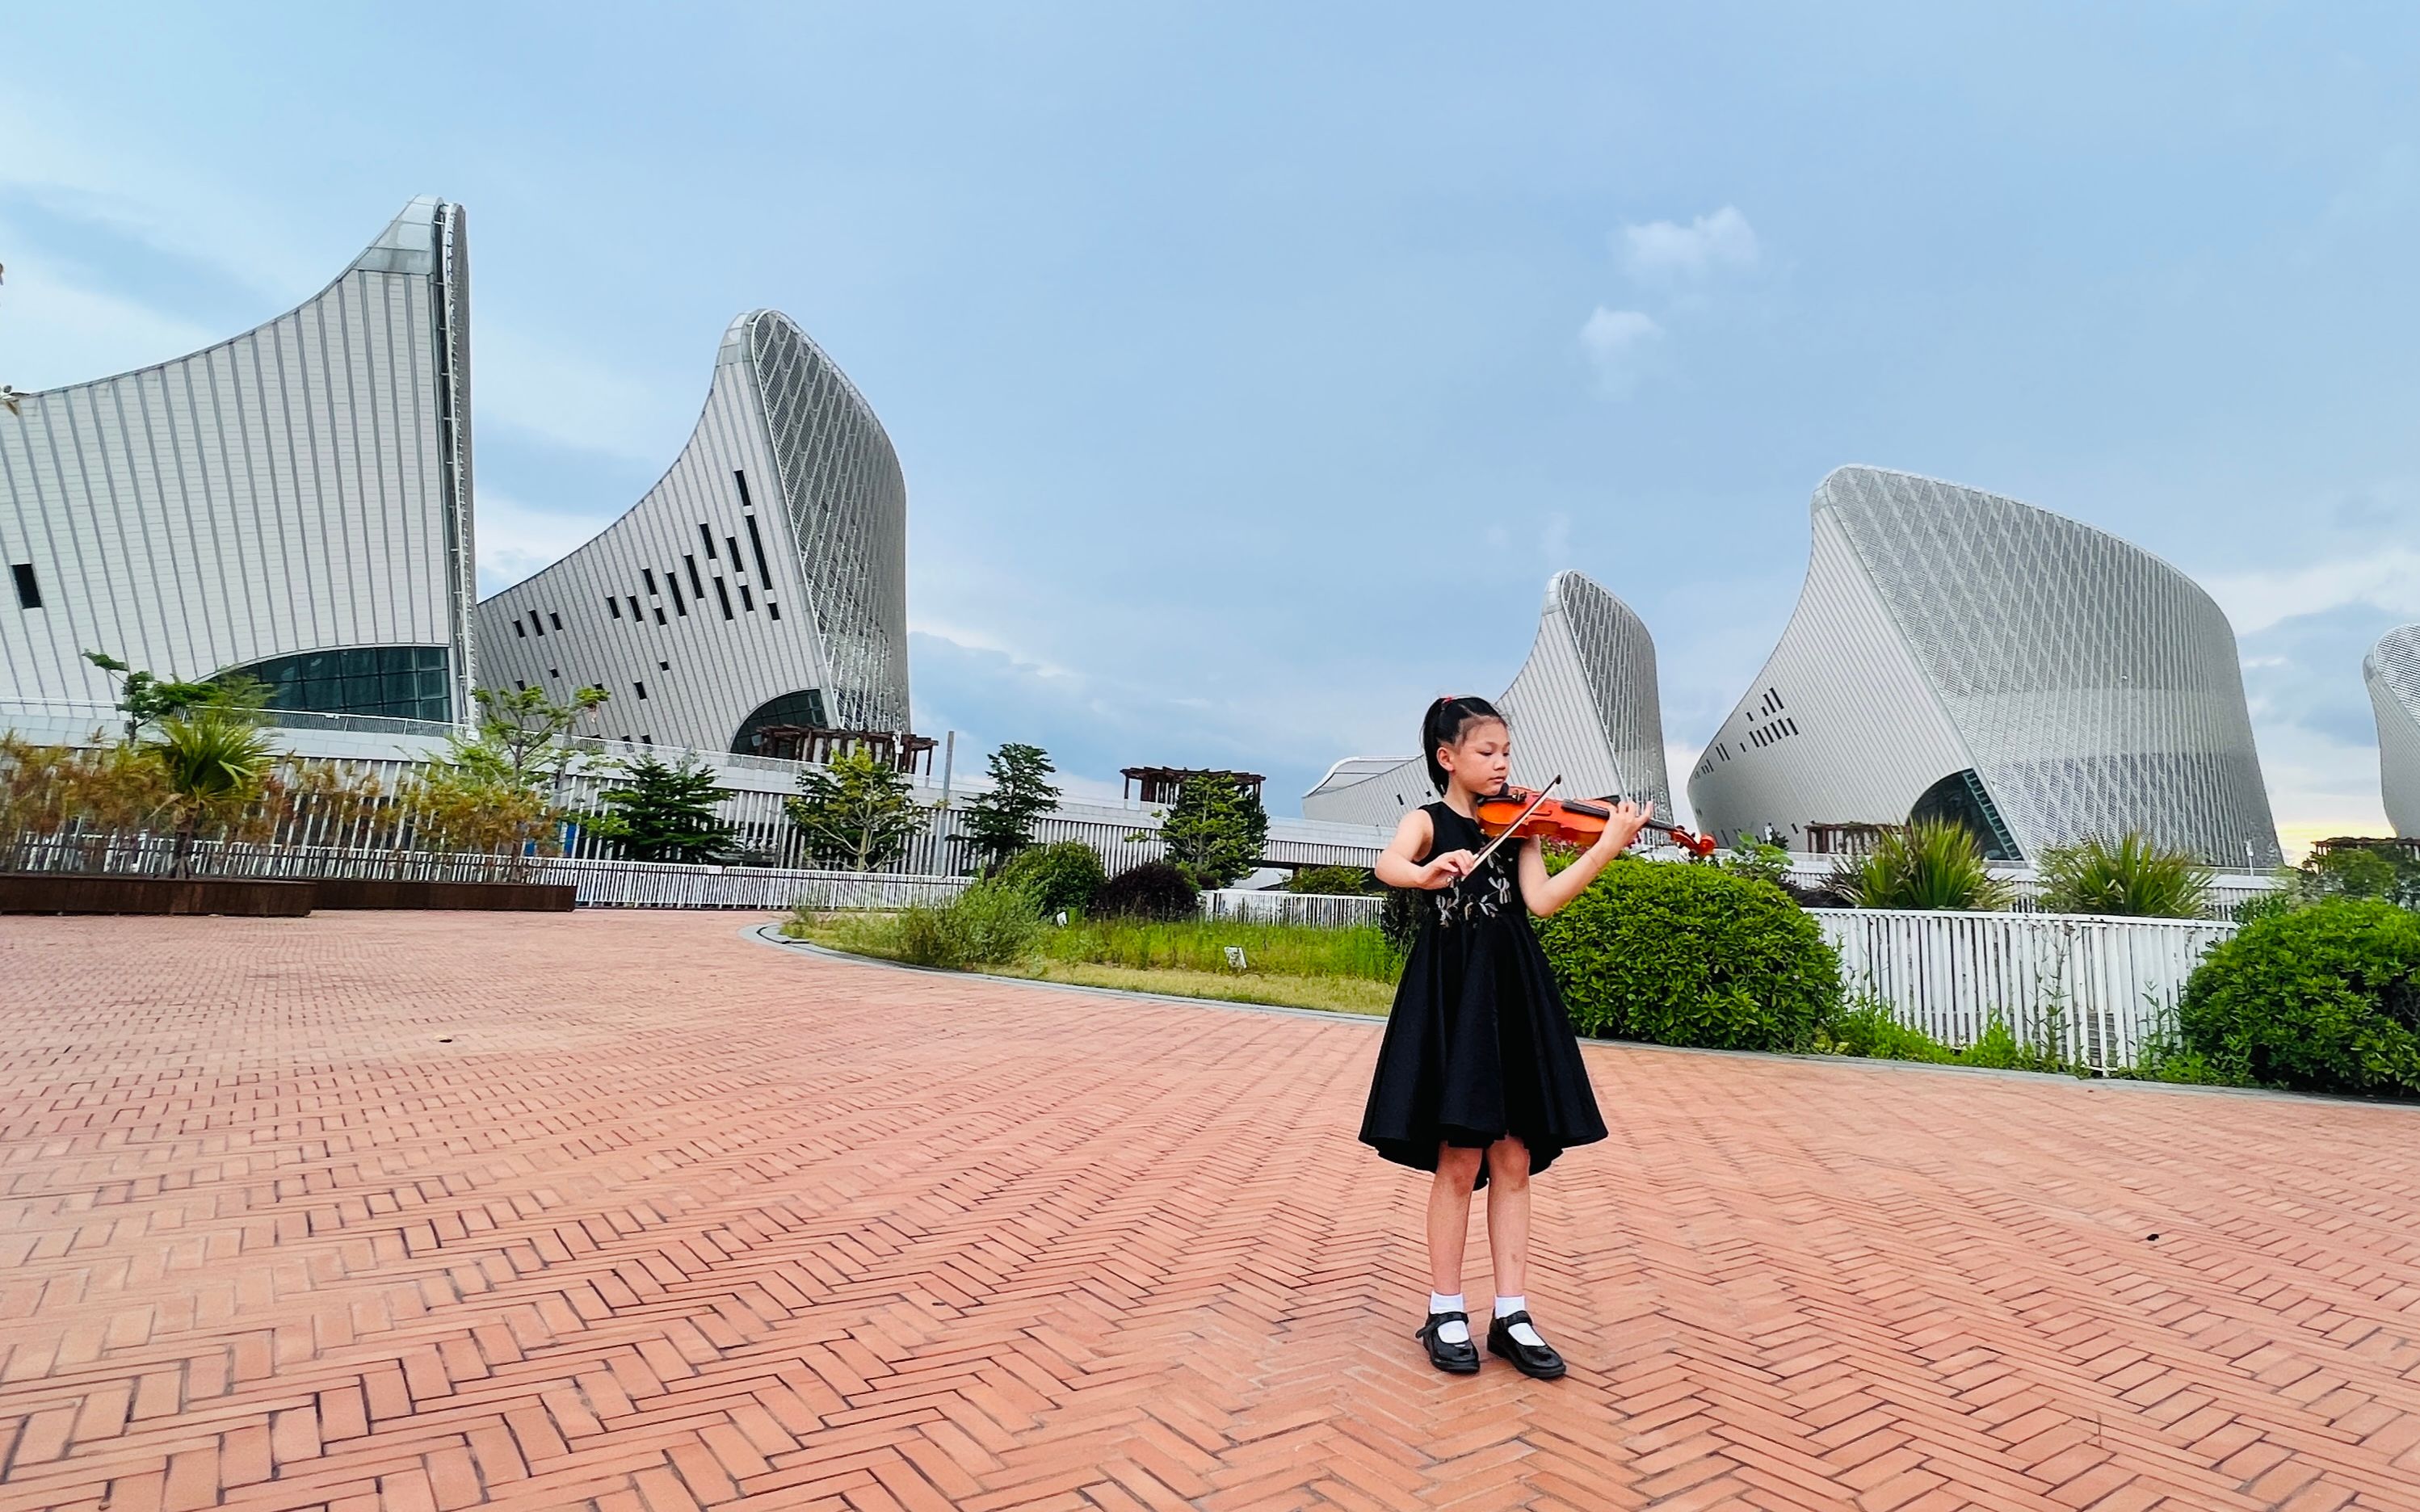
[(1528, 814)]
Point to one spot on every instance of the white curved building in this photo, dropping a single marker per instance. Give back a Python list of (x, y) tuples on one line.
[(1584, 705), (762, 582), (2390, 671), (1959, 654), (293, 503)]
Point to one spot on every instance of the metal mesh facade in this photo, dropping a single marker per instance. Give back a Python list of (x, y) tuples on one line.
[(1584, 705), (2390, 671), (303, 488), (2089, 686), (769, 560), (848, 506)]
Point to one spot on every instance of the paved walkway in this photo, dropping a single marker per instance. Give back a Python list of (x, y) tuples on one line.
[(630, 1213)]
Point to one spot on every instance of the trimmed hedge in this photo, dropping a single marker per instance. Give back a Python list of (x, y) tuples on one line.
[(2321, 1000), (1152, 890), (1065, 875), (1692, 955)]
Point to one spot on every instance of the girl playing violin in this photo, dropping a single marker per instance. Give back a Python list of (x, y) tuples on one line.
[(1479, 1077)]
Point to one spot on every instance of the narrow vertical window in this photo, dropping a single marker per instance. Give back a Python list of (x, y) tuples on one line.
[(680, 605), (554, 619), (707, 536), (745, 601), (723, 594), (735, 554), (695, 585), (614, 604), (649, 574), (634, 607), (660, 614), (764, 574), (741, 478), (520, 634), (29, 591), (535, 624), (772, 609), (643, 691)]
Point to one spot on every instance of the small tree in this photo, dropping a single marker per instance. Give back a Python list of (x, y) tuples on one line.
[(145, 697), (526, 732), (664, 813), (1215, 830), (999, 823), (216, 762), (858, 812)]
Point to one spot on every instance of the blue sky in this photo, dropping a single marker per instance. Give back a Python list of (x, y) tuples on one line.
[(1252, 367)]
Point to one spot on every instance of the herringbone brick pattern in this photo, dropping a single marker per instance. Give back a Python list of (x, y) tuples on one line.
[(629, 1212)]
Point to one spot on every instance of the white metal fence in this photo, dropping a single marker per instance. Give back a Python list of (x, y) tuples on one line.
[(2094, 987), (1325, 910), (654, 885)]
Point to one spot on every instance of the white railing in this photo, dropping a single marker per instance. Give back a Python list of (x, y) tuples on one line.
[(1324, 910), (2093, 987), (656, 884)]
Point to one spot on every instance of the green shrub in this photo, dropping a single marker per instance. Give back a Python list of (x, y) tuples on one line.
[(1867, 1027), (2000, 1048), (2267, 905), (2321, 1000), (1692, 955), (2351, 871), (989, 925), (2132, 877), (1930, 864), (1065, 875), (1332, 881), (1400, 916), (1154, 889)]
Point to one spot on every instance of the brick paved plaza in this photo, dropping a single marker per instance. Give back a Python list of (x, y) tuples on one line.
[(630, 1211)]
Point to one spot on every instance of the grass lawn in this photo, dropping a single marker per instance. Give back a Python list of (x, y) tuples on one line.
[(1335, 970)]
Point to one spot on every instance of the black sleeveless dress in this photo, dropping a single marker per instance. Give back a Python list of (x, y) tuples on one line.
[(1477, 1045)]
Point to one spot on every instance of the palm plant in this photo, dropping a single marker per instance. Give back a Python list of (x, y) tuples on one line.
[(216, 761), (1929, 864), (2133, 877)]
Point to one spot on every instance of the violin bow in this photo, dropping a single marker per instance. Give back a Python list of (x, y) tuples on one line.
[(1480, 860)]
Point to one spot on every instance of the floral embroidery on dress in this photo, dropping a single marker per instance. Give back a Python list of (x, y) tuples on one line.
[(1482, 895)]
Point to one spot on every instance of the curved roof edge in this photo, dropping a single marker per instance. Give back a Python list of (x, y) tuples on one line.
[(733, 351), (1823, 489)]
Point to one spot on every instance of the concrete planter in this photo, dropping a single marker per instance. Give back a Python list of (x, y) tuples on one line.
[(387, 893), (59, 892)]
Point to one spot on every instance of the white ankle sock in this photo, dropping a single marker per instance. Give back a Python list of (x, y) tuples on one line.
[(1523, 1332), (1456, 1331)]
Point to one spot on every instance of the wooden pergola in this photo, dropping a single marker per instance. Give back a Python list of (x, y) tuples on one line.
[(1161, 784), (899, 748)]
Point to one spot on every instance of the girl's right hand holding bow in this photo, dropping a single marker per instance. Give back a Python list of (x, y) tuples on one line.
[(1444, 869)]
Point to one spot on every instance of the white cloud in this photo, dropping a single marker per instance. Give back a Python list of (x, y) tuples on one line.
[(1614, 340), (2387, 579), (1665, 252)]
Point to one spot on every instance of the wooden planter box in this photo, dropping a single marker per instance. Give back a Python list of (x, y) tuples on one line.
[(388, 892), (60, 892)]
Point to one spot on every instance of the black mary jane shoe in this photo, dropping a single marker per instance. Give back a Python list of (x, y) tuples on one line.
[(1453, 1359), (1539, 1362)]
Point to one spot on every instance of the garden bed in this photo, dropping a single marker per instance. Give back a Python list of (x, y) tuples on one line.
[(62, 892), (483, 897)]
